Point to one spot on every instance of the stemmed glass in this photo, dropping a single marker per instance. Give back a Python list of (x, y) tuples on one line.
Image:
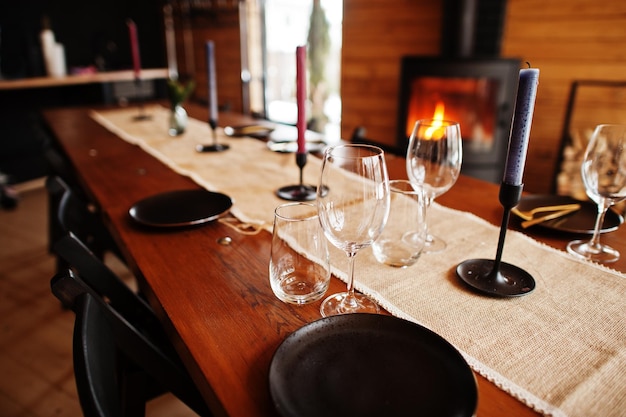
[(604, 175), (353, 206), (433, 163)]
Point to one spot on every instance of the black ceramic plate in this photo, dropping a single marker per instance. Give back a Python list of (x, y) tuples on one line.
[(180, 208), (581, 221), (370, 365)]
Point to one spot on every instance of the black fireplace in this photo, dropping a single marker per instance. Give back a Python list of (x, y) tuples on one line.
[(479, 93), (469, 83)]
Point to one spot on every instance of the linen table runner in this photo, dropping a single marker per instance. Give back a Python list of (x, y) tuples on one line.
[(560, 349)]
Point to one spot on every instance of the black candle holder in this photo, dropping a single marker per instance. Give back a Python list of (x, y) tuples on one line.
[(214, 147), (298, 192), (140, 102), (495, 277)]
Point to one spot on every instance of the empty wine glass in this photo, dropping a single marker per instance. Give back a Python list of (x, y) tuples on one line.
[(604, 175), (353, 206), (433, 163)]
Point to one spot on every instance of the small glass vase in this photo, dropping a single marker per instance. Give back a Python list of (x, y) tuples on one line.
[(178, 120)]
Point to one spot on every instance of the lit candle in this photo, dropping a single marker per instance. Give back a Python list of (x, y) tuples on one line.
[(522, 121), (134, 46), (212, 84), (301, 97)]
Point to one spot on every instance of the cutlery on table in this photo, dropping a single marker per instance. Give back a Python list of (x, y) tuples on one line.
[(248, 130), (530, 214), (551, 216)]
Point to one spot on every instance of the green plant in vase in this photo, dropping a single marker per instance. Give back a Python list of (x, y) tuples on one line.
[(178, 92)]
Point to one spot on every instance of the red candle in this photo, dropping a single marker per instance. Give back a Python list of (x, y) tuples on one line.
[(134, 46), (301, 96)]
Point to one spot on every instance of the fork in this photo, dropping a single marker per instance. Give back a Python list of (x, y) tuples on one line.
[(529, 214), (551, 216)]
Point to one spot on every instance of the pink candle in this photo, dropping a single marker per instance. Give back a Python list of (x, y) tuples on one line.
[(522, 121), (211, 80), (134, 46), (301, 96)]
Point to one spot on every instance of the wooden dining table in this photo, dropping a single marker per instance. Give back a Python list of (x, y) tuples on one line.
[(215, 300)]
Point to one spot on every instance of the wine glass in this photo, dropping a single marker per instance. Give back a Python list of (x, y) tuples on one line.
[(604, 175), (433, 164), (353, 206)]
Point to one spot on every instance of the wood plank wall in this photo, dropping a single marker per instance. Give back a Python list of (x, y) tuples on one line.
[(566, 39), (376, 34), (222, 27)]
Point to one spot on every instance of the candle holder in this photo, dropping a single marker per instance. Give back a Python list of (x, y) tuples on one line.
[(298, 192), (140, 102), (495, 277), (214, 147)]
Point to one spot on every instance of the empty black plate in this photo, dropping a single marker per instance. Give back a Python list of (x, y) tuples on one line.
[(180, 208), (370, 365)]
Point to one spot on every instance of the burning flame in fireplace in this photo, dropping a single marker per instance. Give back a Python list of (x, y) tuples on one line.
[(435, 131)]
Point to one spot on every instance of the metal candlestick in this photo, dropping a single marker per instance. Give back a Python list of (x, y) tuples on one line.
[(140, 99), (299, 192), (495, 277), (214, 147)]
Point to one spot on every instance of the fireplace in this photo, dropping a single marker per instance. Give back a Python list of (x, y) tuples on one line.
[(479, 93), (469, 83)]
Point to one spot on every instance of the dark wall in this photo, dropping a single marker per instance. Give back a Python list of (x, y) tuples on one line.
[(93, 33)]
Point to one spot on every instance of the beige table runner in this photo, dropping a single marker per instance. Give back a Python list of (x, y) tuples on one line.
[(560, 349)]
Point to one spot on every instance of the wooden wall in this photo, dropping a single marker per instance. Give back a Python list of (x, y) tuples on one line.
[(376, 34), (566, 39), (222, 27)]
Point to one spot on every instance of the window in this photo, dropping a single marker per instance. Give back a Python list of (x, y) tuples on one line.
[(287, 24)]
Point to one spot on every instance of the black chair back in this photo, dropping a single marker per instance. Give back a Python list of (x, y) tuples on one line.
[(70, 212), (104, 282), (118, 365)]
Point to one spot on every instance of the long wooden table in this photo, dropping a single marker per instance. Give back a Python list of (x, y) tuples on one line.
[(215, 301)]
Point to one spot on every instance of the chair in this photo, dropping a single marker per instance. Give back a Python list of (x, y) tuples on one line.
[(70, 212), (119, 365), (589, 103), (103, 281)]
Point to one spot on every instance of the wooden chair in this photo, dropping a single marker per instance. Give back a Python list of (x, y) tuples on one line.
[(103, 281), (589, 103), (72, 213), (119, 363)]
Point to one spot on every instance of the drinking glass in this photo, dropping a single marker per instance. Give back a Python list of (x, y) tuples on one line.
[(299, 262), (433, 164), (604, 175), (353, 206), (402, 241)]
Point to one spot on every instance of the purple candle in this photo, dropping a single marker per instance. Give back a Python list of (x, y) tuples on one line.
[(522, 121), (301, 96), (212, 84)]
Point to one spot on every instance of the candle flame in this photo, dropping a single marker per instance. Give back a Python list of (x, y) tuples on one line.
[(435, 131)]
